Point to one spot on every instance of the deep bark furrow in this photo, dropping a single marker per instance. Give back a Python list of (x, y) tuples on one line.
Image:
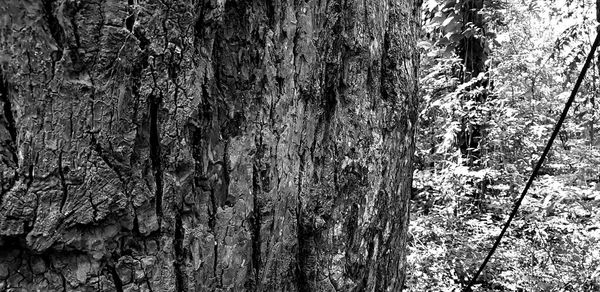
[(302, 283), (115, 278), (130, 20), (149, 285), (256, 215), (155, 155), (216, 261), (107, 158), (212, 214), (7, 183), (11, 124), (56, 30), (63, 183), (73, 8), (303, 248), (64, 282), (178, 265), (225, 173)]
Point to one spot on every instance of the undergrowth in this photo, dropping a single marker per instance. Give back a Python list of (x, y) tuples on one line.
[(552, 245)]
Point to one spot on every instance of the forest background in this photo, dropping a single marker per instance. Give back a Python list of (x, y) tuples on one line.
[(494, 78)]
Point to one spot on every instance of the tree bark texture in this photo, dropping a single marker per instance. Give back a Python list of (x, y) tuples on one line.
[(213, 145)]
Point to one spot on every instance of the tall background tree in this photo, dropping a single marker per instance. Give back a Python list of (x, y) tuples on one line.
[(206, 145), (458, 33)]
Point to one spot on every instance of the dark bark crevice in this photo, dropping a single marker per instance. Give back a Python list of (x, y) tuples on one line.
[(130, 20), (270, 12), (63, 183), (136, 222), (212, 214), (178, 265), (387, 86), (56, 30), (73, 9), (304, 252), (122, 171), (9, 117), (115, 278), (331, 91), (70, 10), (225, 200), (256, 220), (155, 154), (303, 248), (148, 284), (144, 42), (7, 183), (65, 284)]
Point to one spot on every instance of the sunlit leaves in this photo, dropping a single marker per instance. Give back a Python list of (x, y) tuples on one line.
[(537, 48)]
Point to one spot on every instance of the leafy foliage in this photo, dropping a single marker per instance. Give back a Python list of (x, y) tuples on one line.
[(533, 53)]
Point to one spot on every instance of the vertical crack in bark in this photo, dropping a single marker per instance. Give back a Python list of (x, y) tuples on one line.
[(119, 168), (256, 216), (301, 278), (30, 177), (56, 31), (386, 85), (212, 213), (216, 261), (147, 280), (302, 253), (155, 155), (226, 177), (180, 281), (270, 11), (74, 9), (130, 20), (11, 125), (215, 205), (64, 282), (63, 183), (115, 278), (70, 11)]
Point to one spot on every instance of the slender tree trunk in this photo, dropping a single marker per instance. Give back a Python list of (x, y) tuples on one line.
[(206, 145), (472, 50), (595, 94)]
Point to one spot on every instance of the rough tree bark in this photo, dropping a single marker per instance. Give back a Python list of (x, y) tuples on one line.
[(206, 145)]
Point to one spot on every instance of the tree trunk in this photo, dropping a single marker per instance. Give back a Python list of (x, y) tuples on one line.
[(214, 146)]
